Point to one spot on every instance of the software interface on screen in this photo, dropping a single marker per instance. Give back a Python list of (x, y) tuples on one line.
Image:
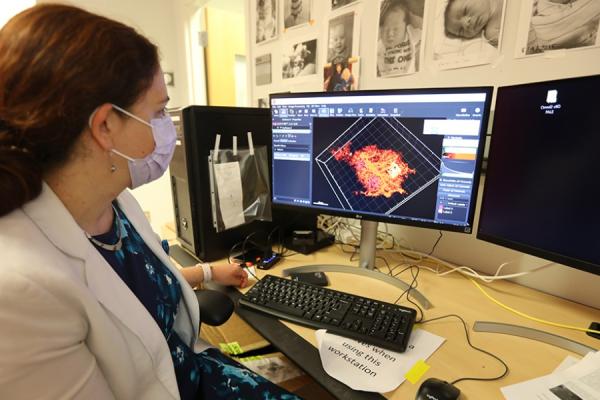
[(541, 190), (384, 155)]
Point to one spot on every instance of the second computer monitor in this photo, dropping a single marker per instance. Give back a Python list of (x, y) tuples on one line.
[(402, 156)]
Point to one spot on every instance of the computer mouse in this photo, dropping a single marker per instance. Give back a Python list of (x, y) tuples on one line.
[(437, 389)]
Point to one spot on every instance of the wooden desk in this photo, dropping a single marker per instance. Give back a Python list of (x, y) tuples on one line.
[(456, 295)]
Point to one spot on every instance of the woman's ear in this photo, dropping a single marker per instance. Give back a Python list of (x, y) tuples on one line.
[(101, 125)]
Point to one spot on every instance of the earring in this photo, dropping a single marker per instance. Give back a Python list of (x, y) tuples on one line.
[(113, 167)]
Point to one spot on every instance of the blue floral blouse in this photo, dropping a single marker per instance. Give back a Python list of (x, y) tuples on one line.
[(206, 375)]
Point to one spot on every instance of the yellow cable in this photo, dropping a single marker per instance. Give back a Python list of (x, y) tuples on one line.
[(522, 314)]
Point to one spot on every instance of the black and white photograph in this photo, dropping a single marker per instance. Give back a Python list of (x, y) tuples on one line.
[(266, 20), (558, 24), (335, 4), (299, 60), (341, 38), (262, 102), (467, 32), (263, 70), (400, 36), (564, 393), (296, 13)]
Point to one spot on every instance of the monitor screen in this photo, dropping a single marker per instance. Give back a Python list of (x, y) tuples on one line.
[(408, 156), (541, 192)]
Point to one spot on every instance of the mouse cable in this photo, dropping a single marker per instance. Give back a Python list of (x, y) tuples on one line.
[(413, 285), (506, 369), (522, 314)]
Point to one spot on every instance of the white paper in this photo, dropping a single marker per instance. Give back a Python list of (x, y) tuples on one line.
[(369, 368), (580, 381), (229, 190)]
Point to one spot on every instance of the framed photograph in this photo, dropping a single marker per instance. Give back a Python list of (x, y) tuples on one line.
[(299, 60), (296, 13), (263, 70), (266, 20)]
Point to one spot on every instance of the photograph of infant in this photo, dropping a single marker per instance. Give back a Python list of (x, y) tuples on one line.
[(561, 24), (399, 38), (341, 33), (341, 76), (296, 12), (266, 20), (335, 4), (263, 70), (467, 32), (300, 60)]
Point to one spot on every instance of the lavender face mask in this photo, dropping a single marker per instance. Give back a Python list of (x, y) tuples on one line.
[(153, 166)]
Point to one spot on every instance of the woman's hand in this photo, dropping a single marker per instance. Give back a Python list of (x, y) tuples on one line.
[(230, 275)]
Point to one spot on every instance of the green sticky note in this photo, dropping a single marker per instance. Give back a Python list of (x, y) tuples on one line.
[(416, 372)]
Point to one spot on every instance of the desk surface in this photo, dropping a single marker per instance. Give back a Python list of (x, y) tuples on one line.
[(454, 294)]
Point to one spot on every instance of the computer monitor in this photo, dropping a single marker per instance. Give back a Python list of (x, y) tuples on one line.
[(405, 156), (541, 194)]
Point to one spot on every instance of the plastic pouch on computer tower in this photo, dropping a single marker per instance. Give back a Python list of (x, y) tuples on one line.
[(239, 182)]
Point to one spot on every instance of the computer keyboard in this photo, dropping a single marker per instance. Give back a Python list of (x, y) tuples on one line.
[(375, 322)]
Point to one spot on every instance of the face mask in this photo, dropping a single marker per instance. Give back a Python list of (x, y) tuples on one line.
[(153, 166)]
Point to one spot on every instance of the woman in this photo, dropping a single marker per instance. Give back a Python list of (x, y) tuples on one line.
[(90, 305)]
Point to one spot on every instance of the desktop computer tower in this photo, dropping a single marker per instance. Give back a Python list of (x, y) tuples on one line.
[(197, 127)]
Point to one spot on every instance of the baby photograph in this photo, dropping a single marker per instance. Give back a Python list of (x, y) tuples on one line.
[(296, 12), (399, 37), (266, 20), (341, 38), (299, 60), (561, 24), (467, 32)]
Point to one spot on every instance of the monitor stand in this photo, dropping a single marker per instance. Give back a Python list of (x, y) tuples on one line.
[(368, 248)]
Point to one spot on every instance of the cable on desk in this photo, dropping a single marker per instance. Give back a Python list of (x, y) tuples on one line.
[(522, 314), (464, 270), (436, 243), (506, 369), (413, 285)]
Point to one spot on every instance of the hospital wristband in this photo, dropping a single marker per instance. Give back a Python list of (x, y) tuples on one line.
[(207, 272)]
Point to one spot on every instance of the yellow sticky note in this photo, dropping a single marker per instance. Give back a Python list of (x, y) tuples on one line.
[(235, 348), (416, 372)]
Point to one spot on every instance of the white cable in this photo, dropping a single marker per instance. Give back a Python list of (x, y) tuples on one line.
[(471, 272)]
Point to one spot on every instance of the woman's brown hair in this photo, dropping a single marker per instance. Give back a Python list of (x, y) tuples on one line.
[(57, 64)]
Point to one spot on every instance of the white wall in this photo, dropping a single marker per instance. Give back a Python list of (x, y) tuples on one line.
[(165, 23), (459, 248), (11, 8)]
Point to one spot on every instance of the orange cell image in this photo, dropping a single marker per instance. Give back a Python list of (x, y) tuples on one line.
[(381, 172)]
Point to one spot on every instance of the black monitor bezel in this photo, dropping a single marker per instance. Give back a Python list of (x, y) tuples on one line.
[(468, 229), (518, 246)]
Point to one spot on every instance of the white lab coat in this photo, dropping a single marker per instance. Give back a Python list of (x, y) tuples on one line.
[(69, 326)]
